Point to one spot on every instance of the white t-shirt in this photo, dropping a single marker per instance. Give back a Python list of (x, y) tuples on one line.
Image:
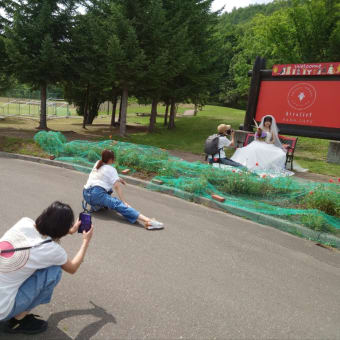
[(223, 142), (47, 255), (106, 176)]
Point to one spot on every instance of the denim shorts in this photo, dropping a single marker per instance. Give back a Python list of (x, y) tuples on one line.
[(99, 197), (36, 290)]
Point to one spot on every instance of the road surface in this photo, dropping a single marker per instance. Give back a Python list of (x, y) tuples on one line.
[(207, 275)]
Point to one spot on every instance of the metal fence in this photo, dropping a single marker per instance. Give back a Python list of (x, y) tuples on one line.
[(31, 107)]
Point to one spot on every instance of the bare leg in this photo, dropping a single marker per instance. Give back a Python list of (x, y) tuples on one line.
[(150, 224), (144, 220), (21, 315)]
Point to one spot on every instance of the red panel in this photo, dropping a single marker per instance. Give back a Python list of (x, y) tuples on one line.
[(307, 103), (305, 70)]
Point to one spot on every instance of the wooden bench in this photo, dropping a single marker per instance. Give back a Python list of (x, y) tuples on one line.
[(290, 141)]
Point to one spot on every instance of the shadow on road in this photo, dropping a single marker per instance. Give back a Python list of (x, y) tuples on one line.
[(110, 215), (55, 333)]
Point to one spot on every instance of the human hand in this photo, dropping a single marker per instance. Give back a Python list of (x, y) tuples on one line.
[(88, 235), (126, 203), (75, 227)]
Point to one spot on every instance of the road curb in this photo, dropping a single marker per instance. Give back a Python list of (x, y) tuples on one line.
[(277, 223)]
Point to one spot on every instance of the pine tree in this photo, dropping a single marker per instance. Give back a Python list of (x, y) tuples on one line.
[(5, 72), (35, 42), (127, 61), (86, 84), (191, 47), (151, 28)]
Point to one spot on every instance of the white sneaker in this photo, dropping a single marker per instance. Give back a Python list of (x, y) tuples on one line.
[(155, 225)]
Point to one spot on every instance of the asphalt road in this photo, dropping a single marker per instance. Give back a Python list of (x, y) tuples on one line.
[(207, 275)]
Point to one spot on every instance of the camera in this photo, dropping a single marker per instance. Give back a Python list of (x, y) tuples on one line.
[(229, 132), (86, 222)]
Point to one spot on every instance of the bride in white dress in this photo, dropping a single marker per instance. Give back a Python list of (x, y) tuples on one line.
[(266, 152)]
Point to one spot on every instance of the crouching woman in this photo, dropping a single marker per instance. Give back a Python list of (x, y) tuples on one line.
[(31, 264), (98, 189)]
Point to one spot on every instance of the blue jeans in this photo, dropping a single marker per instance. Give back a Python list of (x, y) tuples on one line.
[(36, 290), (99, 197)]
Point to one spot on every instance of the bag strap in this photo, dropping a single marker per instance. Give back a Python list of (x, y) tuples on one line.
[(24, 248), (84, 205)]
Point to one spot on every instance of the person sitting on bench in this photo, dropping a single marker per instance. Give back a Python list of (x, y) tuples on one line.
[(266, 152)]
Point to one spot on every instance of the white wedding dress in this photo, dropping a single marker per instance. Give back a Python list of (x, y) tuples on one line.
[(262, 157)]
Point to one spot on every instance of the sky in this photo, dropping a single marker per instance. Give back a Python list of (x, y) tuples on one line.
[(230, 4)]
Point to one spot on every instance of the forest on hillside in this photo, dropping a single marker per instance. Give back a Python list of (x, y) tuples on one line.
[(158, 51), (283, 31)]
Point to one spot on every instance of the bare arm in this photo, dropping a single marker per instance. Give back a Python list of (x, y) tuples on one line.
[(71, 266), (75, 227), (232, 139), (119, 191)]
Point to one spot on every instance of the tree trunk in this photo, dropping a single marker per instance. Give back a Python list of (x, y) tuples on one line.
[(166, 114), (124, 104), (43, 97), (153, 115), (114, 109), (172, 114), (93, 109), (120, 108), (195, 109), (86, 108)]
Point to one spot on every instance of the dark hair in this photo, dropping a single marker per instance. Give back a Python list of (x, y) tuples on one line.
[(55, 221), (106, 156), (267, 119)]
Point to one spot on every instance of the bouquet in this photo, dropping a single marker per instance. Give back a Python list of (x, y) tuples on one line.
[(261, 135)]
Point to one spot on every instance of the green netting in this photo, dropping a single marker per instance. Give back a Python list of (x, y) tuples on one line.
[(314, 205)]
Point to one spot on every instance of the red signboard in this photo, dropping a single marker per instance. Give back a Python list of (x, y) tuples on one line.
[(317, 69), (306, 103)]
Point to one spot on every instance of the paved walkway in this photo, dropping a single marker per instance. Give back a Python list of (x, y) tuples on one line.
[(189, 113), (207, 275)]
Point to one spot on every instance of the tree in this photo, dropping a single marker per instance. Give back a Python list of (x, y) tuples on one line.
[(87, 84), (5, 73), (151, 29), (191, 46), (35, 42), (126, 58), (294, 31)]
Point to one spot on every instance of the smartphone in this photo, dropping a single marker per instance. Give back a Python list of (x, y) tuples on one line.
[(86, 222)]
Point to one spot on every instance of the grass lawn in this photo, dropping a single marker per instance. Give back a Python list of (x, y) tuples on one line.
[(189, 134), (21, 146)]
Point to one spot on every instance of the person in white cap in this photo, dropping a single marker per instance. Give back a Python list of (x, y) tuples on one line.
[(224, 130), (31, 263)]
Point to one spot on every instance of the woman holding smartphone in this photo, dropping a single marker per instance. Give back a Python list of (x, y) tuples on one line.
[(98, 189), (31, 264)]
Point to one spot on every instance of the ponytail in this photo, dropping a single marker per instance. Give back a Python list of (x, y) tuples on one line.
[(106, 156), (99, 164)]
